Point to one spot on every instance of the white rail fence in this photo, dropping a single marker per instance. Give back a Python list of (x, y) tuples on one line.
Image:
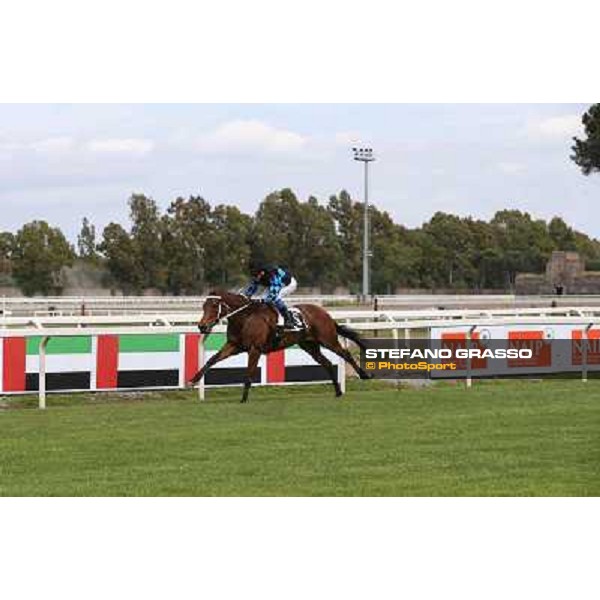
[(140, 304), (373, 317), (161, 351), (112, 353)]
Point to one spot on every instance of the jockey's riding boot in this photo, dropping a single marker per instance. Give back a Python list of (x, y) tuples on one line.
[(288, 320)]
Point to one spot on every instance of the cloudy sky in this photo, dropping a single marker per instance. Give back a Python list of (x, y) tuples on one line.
[(63, 162)]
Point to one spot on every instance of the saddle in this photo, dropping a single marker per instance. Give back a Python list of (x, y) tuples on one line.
[(297, 317)]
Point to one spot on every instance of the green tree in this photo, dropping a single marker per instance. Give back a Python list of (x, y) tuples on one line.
[(586, 152), (86, 242), (118, 249), (277, 225), (561, 235), (147, 234), (39, 257), (321, 258), (452, 248), (487, 255), (587, 247), (300, 236), (348, 217), (526, 242), (186, 234), (228, 246), (7, 243), (395, 256)]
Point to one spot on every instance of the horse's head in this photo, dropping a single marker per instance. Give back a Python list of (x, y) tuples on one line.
[(213, 309), (218, 305)]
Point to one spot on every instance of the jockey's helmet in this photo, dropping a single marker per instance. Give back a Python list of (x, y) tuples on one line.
[(258, 272)]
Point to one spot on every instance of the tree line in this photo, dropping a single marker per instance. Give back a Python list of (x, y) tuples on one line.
[(193, 246)]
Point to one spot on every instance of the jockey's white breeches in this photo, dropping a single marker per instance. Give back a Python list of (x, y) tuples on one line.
[(289, 289)]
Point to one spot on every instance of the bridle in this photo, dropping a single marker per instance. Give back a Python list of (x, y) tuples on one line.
[(229, 313)]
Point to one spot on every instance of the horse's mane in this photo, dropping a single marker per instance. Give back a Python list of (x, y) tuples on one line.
[(227, 295), (222, 292), (219, 292)]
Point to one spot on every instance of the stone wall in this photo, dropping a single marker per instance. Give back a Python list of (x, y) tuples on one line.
[(531, 284), (564, 270), (586, 283)]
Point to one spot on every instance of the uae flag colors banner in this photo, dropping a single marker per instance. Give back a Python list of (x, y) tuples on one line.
[(141, 361)]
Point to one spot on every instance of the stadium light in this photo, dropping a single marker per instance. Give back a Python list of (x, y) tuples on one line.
[(365, 155)]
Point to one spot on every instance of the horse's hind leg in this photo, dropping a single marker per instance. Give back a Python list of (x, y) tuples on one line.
[(253, 358), (344, 353), (314, 350)]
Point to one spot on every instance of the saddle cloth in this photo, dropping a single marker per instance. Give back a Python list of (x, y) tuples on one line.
[(298, 317)]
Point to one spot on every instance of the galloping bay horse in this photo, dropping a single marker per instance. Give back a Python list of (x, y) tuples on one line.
[(252, 328)]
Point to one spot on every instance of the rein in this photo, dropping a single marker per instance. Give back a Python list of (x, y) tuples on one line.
[(223, 303)]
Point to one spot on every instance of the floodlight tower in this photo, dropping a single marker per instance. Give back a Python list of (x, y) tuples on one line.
[(365, 155)]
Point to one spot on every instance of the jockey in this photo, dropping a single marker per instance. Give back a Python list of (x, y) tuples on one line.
[(278, 282)]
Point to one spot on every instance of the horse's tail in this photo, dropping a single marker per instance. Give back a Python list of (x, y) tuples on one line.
[(346, 332)]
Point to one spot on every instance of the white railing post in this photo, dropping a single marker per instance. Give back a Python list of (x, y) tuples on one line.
[(342, 369), (469, 380), (584, 352), (42, 373), (201, 390), (396, 346)]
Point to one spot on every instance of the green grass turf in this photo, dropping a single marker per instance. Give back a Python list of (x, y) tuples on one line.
[(499, 438)]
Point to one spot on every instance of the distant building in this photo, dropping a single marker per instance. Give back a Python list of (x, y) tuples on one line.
[(565, 274), (564, 268)]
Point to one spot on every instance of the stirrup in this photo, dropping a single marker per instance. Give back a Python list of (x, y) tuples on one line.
[(292, 323)]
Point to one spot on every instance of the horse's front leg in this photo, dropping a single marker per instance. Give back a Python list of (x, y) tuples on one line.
[(226, 351), (253, 358)]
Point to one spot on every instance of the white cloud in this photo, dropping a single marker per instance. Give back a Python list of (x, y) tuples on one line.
[(7, 150), (53, 145), (560, 127), (347, 138), (48, 146), (137, 146), (250, 136), (9, 146), (63, 144), (511, 168)]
